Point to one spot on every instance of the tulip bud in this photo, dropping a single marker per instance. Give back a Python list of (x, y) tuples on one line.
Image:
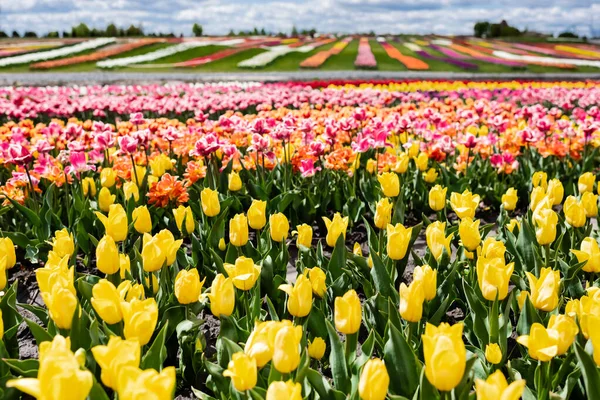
[(284, 390), (286, 351), (221, 296), (62, 304), (335, 228), (590, 204), (88, 186), (512, 224), (299, 296), (242, 371), (437, 240), (238, 230), (63, 243), (305, 234), (130, 189), (428, 278), (468, 231), (445, 355), (383, 213), (106, 301), (317, 280), (556, 191), (540, 179), (398, 239), (493, 354), (124, 265), (188, 286), (421, 161), (574, 212), (137, 175), (545, 222), (544, 290), (509, 199), (7, 249), (210, 202), (390, 184), (430, 176), (316, 348), (140, 318), (401, 165), (493, 277), (222, 244), (115, 224), (357, 250), (411, 301), (586, 182), (348, 313), (437, 198), (107, 177), (105, 199), (235, 182), (279, 226), (374, 380), (243, 273), (107, 256), (496, 387), (142, 222), (182, 214), (464, 204), (113, 357), (589, 253), (257, 214), (542, 345)]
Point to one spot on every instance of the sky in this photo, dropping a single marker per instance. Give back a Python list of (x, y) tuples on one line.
[(343, 16)]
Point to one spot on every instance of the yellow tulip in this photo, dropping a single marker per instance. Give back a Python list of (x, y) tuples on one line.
[(590, 254), (398, 239), (509, 199), (142, 222), (590, 204), (63, 243), (430, 176), (437, 240), (136, 291), (134, 384), (140, 318), (7, 249), (445, 355), (540, 179), (305, 233), (107, 256), (115, 224), (1, 326), (210, 202), (284, 390), (137, 174), (222, 244), (493, 353), (493, 276), (335, 228), (374, 380), (160, 164), (512, 224), (105, 199), (522, 296), (383, 213), (2, 277), (464, 204), (221, 296), (59, 375), (574, 212), (235, 182), (390, 184), (88, 186), (401, 165), (188, 286), (108, 177), (244, 273), (182, 214), (124, 265), (316, 348), (411, 301), (565, 329), (130, 189), (257, 217), (55, 273), (468, 231), (537, 196), (168, 245), (317, 280), (357, 250), (421, 161), (106, 300), (492, 248), (62, 304), (495, 387), (428, 278), (261, 343), (594, 335), (414, 149), (586, 182), (348, 313), (542, 344), (299, 296), (279, 227), (556, 191), (153, 257), (544, 290), (286, 351), (242, 371), (113, 357), (545, 226), (371, 166), (437, 198), (238, 230)]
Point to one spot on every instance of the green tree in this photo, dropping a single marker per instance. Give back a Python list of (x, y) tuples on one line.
[(3, 34), (30, 34), (80, 30), (53, 34), (481, 29), (294, 31), (112, 31), (197, 29), (15, 34)]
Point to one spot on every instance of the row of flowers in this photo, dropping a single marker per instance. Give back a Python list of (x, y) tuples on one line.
[(365, 57), (263, 59), (55, 53), (408, 61), (318, 59)]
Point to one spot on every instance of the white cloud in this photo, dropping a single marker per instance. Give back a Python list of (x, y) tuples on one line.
[(382, 16)]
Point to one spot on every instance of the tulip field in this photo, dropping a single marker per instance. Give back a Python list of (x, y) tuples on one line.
[(319, 240)]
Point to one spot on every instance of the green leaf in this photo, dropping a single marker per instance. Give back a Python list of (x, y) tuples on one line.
[(591, 377), (157, 353), (40, 334), (338, 259), (381, 278), (401, 361), (26, 368), (337, 360), (33, 218)]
